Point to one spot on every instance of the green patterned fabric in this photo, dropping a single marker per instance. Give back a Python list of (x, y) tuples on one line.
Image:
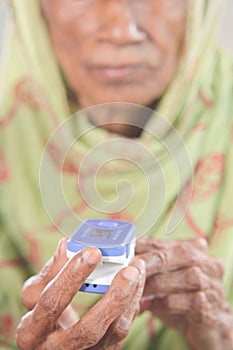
[(34, 102)]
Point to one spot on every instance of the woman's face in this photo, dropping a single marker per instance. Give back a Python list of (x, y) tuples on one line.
[(117, 50)]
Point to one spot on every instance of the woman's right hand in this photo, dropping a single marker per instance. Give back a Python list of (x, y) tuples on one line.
[(51, 323)]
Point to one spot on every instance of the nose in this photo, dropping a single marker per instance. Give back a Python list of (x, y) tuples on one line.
[(119, 24)]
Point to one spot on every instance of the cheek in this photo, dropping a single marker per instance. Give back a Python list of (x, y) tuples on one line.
[(166, 24), (71, 57), (73, 22), (168, 35)]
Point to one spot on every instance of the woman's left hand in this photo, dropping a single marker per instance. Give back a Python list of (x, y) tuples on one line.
[(184, 289)]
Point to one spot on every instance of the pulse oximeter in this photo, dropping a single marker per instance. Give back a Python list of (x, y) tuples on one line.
[(116, 241)]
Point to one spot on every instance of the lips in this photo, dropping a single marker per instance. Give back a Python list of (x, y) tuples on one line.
[(119, 73)]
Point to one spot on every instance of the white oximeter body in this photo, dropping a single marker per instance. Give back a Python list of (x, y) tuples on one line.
[(116, 241)]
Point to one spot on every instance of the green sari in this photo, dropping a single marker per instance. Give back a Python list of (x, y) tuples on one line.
[(34, 103)]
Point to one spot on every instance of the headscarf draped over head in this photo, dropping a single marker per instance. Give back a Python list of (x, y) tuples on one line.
[(34, 103)]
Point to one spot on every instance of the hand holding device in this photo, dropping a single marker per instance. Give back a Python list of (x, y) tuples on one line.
[(116, 241), (52, 324)]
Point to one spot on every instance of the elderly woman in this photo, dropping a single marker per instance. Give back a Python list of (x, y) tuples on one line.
[(65, 55)]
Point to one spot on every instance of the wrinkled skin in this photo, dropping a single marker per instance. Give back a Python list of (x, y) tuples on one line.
[(119, 50), (183, 288), (51, 322)]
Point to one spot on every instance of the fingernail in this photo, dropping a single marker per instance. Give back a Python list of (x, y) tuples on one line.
[(140, 265), (91, 254), (61, 246), (131, 273)]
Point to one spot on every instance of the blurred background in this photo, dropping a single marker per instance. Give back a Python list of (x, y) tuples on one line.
[(225, 36)]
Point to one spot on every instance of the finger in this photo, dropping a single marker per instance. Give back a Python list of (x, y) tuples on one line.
[(119, 329), (178, 257), (157, 306), (122, 325), (95, 323), (195, 314), (185, 280), (146, 244), (212, 334), (211, 266), (207, 307), (34, 286), (140, 265), (192, 303), (57, 296)]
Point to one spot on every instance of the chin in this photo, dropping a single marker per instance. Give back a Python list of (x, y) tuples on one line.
[(136, 97), (143, 93)]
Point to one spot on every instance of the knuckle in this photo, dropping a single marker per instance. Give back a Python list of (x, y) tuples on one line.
[(162, 258), (187, 251), (89, 335), (52, 341), (200, 299), (208, 299), (201, 243), (49, 304), (215, 296), (202, 311), (118, 297), (183, 248), (201, 304), (121, 332), (195, 271), (195, 277), (213, 267), (22, 338)]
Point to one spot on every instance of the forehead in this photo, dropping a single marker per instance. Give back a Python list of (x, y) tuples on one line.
[(69, 4)]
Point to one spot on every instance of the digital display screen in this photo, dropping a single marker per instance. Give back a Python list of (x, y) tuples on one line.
[(101, 233)]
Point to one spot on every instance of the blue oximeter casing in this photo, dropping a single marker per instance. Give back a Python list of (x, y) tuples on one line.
[(116, 241)]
